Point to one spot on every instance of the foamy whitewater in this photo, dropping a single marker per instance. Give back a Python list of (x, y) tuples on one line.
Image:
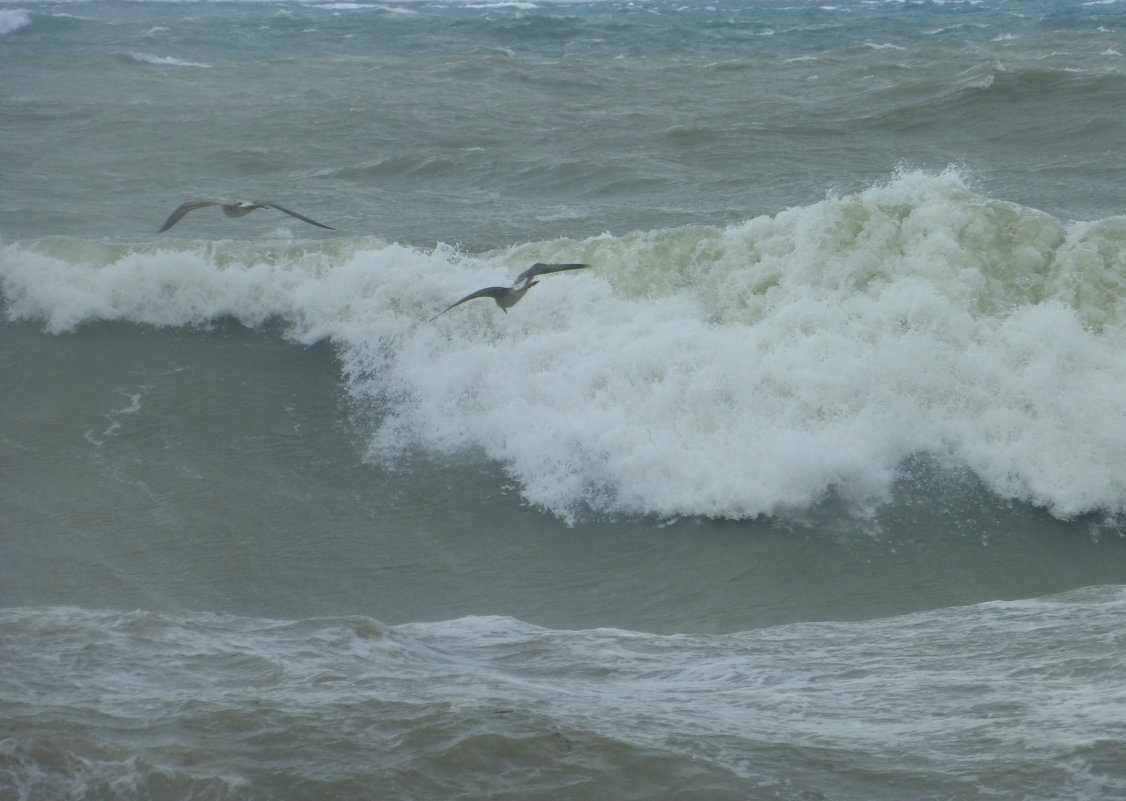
[(810, 486), (727, 372)]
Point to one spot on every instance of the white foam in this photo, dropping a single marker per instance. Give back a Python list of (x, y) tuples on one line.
[(12, 19), (344, 6), (166, 61), (524, 6), (727, 372)]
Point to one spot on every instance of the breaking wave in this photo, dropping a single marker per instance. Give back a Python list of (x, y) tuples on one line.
[(728, 372)]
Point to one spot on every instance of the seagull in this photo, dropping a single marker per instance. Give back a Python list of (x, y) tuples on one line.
[(233, 208), (508, 296)]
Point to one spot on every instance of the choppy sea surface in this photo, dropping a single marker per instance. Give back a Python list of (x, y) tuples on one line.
[(811, 486)]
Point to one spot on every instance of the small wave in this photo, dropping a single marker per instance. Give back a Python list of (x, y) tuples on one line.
[(336, 706), (354, 6), (12, 19), (164, 61), (516, 4), (405, 164), (344, 6)]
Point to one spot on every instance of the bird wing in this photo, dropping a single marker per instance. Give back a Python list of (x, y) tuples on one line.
[(183, 209), (539, 268), (284, 210), (493, 292)]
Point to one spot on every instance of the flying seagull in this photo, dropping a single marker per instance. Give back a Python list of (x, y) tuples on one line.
[(233, 208), (508, 296)]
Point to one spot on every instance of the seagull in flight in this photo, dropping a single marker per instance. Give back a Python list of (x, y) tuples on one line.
[(234, 208), (508, 296)]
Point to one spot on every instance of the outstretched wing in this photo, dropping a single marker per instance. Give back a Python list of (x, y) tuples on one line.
[(539, 268), (301, 217), (183, 209), (493, 292)]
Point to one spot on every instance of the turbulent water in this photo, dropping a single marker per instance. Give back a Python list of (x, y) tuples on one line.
[(810, 486)]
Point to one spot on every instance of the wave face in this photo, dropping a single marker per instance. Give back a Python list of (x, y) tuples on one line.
[(195, 706), (727, 372)]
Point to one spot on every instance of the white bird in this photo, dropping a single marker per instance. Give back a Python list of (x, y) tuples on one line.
[(508, 296), (233, 208)]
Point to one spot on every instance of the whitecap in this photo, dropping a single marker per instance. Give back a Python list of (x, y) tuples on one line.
[(165, 61), (523, 6), (343, 6), (12, 19)]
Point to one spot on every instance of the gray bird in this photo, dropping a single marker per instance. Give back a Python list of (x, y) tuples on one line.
[(234, 208), (508, 296)]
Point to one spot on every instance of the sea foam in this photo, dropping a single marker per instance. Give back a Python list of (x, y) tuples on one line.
[(728, 372), (165, 61), (12, 19)]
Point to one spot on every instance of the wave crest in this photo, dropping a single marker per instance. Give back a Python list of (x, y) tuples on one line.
[(727, 372), (163, 61), (12, 19)]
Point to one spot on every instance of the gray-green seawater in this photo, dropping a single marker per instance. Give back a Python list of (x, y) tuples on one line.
[(810, 487)]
